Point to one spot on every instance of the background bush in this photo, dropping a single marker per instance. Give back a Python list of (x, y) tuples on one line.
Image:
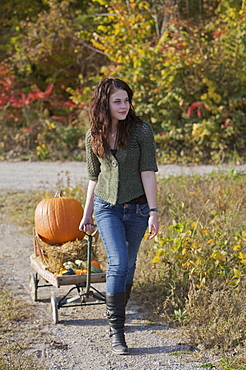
[(184, 60)]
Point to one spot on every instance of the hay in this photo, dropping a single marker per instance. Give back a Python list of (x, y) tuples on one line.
[(55, 255)]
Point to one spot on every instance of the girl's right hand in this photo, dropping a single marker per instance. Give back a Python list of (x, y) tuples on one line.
[(86, 224)]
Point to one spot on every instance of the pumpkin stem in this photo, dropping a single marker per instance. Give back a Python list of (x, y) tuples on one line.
[(58, 194)]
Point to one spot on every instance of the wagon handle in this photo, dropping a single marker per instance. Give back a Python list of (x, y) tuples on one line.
[(88, 276)]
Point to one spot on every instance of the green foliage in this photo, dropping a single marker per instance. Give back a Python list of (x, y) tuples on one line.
[(199, 258), (184, 60), (12, 14), (184, 82), (57, 138), (207, 238)]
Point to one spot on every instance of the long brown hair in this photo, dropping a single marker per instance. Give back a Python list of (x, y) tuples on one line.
[(100, 118)]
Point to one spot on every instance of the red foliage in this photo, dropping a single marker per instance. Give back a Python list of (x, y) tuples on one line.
[(216, 35), (27, 129), (192, 107), (16, 98), (13, 100), (70, 104), (198, 105)]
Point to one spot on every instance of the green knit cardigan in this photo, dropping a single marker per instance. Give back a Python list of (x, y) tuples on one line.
[(119, 177)]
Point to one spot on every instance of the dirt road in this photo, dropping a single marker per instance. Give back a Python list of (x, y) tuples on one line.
[(45, 175)]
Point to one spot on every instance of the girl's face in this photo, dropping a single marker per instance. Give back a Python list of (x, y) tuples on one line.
[(119, 105)]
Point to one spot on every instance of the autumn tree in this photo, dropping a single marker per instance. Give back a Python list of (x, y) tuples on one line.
[(182, 76), (183, 58)]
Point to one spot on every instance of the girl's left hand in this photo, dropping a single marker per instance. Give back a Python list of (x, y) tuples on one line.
[(153, 225)]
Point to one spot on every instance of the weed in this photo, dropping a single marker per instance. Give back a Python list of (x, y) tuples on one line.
[(13, 313), (237, 362), (193, 273), (176, 353)]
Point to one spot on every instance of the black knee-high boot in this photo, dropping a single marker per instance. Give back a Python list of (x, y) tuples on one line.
[(116, 304), (128, 292)]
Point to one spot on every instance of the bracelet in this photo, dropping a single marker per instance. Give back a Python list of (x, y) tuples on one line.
[(153, 210)]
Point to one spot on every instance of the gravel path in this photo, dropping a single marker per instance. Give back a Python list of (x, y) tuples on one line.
[(80, 339), (45, 175)]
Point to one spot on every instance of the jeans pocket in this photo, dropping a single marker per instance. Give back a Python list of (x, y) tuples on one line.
[(143, 210), (100, 203)]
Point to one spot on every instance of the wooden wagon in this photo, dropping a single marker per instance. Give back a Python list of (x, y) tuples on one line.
[(86, 293)]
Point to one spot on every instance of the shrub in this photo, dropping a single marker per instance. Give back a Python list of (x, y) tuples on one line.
[(199, 256)]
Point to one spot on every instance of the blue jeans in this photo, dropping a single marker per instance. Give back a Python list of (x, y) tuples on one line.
[(122, 227)]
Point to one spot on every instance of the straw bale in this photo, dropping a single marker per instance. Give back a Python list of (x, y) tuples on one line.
[(56, 255)]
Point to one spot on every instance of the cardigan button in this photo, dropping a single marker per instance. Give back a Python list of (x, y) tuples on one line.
[(114, 163)]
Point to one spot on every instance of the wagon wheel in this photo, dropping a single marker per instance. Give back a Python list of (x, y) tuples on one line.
[(54, 307), (33, 283)]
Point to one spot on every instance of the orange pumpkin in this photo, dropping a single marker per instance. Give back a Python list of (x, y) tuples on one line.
[(94, 263), (57, 219), (80, 272)]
